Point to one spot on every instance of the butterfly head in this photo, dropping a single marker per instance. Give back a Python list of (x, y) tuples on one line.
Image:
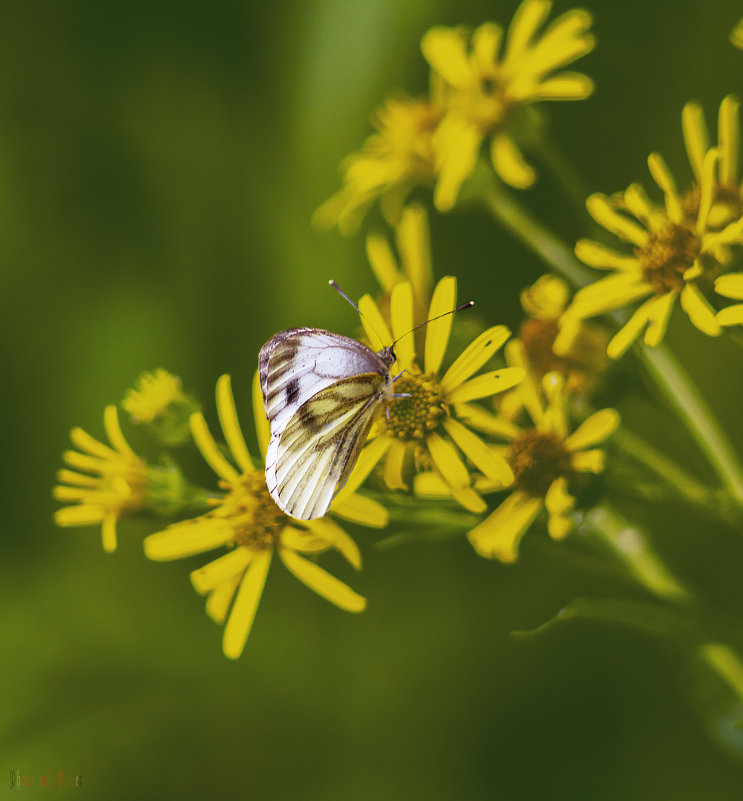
[(387, 355)]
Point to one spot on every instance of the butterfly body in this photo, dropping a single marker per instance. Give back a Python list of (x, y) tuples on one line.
[(321, 393)]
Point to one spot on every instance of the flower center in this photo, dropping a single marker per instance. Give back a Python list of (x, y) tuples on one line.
[(538, 337), (256, 519), (667, 256), (537, 458), (416, 416)]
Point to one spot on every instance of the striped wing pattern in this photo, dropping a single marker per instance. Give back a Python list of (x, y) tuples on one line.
[(321, 393)]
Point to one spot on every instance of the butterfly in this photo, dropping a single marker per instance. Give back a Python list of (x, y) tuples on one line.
[(321, 392)]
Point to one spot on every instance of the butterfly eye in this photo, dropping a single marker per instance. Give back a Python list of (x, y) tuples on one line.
[(387, 355)]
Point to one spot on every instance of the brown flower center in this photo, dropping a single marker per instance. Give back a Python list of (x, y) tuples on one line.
[(667, 256), (256, 518), (537, 458), (538, 337), (415, 416)]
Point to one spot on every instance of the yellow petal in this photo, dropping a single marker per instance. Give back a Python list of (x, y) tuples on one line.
[(447, 462), (219, 600), (469, 499), (393, 465), (437, 332), (565, 86), (431, 485), (481, 420), (707, 185), (231, 425), (485, 44), (640, 205), (336, 537), (526, 21), (210, 576), (77, 479), (595, 429), (663, 177), (382, 261), (209, 450), (187, 539), (733, 315), (413, 243), (659, 314), (322, 582), (729, 135), (730, 286), (600, 209), (509, 163), (401, 317), (108, 532), (594, 254), (499, 535), (559, 526), (558, 500), (246, 604), (608, 294), (474, 356), (699, 310), (362, 510), (588, 461), (444, 49), (555, 418), (262, 427), (374, 324), (457, 144), (546, 298), (629, 332), (484, 459), (113, 431), (79, 515), (696, 137), (482, 386), (82, 440)]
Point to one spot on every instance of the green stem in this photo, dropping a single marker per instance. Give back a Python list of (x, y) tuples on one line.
[(665, 370), (683, 395), (630, 544)]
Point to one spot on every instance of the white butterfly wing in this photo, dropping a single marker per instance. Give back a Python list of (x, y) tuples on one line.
[(321, 393), (311, 459)]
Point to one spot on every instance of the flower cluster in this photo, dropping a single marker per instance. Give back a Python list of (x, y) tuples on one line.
[(483, 87)]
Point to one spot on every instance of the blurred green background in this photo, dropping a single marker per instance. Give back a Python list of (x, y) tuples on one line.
[(159, 163)]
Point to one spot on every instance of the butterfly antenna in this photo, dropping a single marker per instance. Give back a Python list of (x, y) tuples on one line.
[(344, 295), (468, 305)]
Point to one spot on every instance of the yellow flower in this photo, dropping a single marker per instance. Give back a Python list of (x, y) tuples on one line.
[(425, 429), (670, 256), (736, 35), (248, 522), (159, 402), (154, 393), (482, 90), (554, 341), (544, 459), (414, 264), (390, 163), (727, 200), (730, 286), (113, 481)]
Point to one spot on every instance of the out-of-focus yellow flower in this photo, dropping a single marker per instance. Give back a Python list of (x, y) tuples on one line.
[(159, 402), (671, 256), (424, 429), (248, 522), (730, 286), (727, 196), (545, 459), (554, 341), (736, 35), (390, 163), (482, 89), (413, 264), (113, 481)]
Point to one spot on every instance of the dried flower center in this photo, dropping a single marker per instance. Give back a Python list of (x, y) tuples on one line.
[(256, 519), (538, 337), (667, 256), (417, 415), (537, 458), (126, 481)]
